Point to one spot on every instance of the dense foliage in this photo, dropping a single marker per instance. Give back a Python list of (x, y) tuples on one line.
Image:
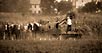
[(64, 7), (91, 7), (49, 6), (14, 5)]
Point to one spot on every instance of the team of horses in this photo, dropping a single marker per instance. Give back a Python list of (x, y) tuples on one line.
[(18, 31)]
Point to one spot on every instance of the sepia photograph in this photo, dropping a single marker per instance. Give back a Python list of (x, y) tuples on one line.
[(50, 26)]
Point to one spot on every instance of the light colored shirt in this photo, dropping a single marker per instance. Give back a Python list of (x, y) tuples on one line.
[(69, 21)]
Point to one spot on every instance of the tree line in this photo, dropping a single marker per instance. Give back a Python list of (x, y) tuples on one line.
[(14, 5), (92, 7), (47, 6)]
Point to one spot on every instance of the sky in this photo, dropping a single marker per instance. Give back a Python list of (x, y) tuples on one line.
[(60, 0)]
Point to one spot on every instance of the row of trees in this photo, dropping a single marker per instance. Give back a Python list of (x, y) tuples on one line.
[(48, 6), (51, 6), (91, 7), (14, 5), (62, 7)]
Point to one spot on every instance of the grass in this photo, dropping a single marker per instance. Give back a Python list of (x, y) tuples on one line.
[(87, 44), (63, 46)]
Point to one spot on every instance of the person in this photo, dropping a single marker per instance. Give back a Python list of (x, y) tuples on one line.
[(70, 14), (57, 25), (68, 21), (69, 24), (29, 26)]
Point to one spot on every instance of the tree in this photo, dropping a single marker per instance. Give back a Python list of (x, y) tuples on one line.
[(90, 7), (47, 6), (63, 7), (14, 5), (99, 5)]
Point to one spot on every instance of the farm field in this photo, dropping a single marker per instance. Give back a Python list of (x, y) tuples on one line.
[(91, 41), (54, 46)]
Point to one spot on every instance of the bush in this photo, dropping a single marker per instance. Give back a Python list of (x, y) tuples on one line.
[(49, 6), (96, 27), (89, 7), (99, 5), (90, 25), (64, 7), (93, 23)]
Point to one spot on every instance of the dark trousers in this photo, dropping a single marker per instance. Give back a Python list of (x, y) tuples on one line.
[(68, 28)]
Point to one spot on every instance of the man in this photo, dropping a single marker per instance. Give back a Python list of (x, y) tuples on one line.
[(69, 24), (68, 21), (70, 14), (29, 26)]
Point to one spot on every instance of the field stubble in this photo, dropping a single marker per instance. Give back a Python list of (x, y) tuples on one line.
[(54, 46)]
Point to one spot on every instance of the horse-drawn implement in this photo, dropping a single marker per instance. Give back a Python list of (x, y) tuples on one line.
[(68, 35)]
